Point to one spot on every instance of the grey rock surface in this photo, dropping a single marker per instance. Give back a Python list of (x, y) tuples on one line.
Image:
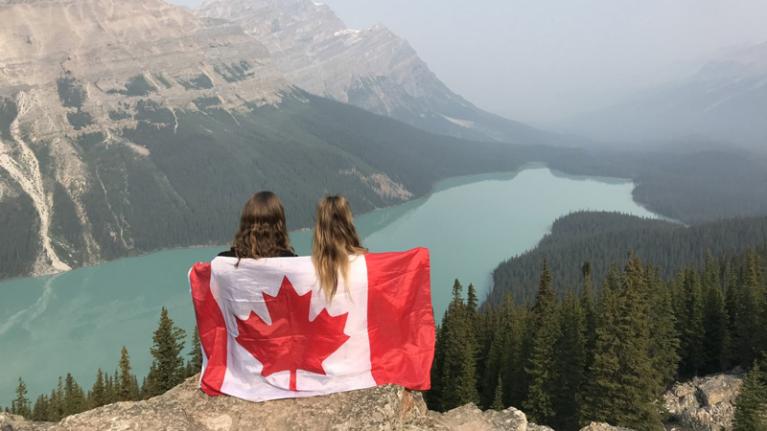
[(704, 404), (599, 426), (370, 68), (187, 408)]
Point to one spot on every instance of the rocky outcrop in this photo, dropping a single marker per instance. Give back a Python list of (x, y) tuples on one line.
[(704, 404), (599, 426), (186, 408)]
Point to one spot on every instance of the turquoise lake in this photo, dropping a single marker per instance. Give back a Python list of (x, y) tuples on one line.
[(77, 321)]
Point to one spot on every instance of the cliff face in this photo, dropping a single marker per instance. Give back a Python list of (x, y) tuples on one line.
[(77, 77), (131, 126), (371, 68)]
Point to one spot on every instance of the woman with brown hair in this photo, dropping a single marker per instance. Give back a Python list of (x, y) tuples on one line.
[(263, 231), (335, 242)]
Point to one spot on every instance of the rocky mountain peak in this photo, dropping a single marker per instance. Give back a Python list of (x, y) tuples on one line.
[(371, 68)]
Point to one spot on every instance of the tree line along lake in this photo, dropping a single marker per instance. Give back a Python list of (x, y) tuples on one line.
[(77, 321)]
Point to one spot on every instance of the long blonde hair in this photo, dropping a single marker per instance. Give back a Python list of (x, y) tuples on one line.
[(335, 239), (263, 231)]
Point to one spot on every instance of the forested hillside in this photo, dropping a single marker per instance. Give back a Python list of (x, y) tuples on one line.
[(693, 186), (603, 239), (607, 348)]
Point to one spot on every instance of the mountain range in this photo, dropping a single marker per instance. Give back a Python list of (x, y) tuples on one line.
[(134, 125), (371, 68), (722, 105)]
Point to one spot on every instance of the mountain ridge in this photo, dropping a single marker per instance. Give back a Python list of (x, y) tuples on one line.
[(127, 127), (371, 68)]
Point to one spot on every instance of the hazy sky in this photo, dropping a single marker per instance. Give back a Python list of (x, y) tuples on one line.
[(542, 60)]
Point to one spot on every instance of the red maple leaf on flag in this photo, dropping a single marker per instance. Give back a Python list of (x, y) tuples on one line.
[(291, 342)]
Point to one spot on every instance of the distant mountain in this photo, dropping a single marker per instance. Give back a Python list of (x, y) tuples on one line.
[(372, 68), (725, 102), (133, 125)]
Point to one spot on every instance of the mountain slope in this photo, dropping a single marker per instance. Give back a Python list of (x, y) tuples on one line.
[(373, 68), (128, 126), (723, 103)]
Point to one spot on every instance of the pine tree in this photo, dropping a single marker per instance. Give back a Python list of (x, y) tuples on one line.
[(40, 411), (74, 397), (570, 364), (434, 396), (124, 382), (541, 364), (664, 343), (498, 395), (517, 349), (751, 404), (748, 311), (20, 405), (458, 367), (622, 385), (56, 408), (691, 329), (167, 369), (109, 389), (195, 354), (589, 311), (715, 320), (98, 394), (637, 376), (599, 398)]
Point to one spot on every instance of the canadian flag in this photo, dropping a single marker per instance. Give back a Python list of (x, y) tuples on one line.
[(268, 332)]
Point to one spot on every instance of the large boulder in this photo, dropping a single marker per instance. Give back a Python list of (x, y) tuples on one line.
[(704, 404), (187, 408), (471, 418)]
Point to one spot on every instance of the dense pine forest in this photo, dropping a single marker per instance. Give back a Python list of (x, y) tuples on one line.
[(602, 239), (606, 351), (168, 369)]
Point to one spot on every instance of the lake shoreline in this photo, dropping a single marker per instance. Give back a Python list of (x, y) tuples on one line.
[(436, 187), (469, 224)]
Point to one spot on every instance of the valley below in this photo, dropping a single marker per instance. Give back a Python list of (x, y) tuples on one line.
[(470, 224)]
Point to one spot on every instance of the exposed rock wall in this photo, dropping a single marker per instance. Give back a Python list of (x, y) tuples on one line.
[(704, 404), (371, 68)]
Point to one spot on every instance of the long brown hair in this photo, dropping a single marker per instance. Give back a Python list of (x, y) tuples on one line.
[(263, 231), (335, 239)]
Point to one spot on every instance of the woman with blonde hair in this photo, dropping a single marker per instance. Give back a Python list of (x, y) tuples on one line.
[(263, 231), (335, 242)]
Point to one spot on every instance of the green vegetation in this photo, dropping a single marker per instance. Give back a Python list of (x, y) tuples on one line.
[(234, 72), (72, 94), (608, 355), (206, 102), (201, 165), (139, 86), (167, 368), (690, 186), (79, 119), (602, 240), (199, 82), (68, 397), (751, 405)]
